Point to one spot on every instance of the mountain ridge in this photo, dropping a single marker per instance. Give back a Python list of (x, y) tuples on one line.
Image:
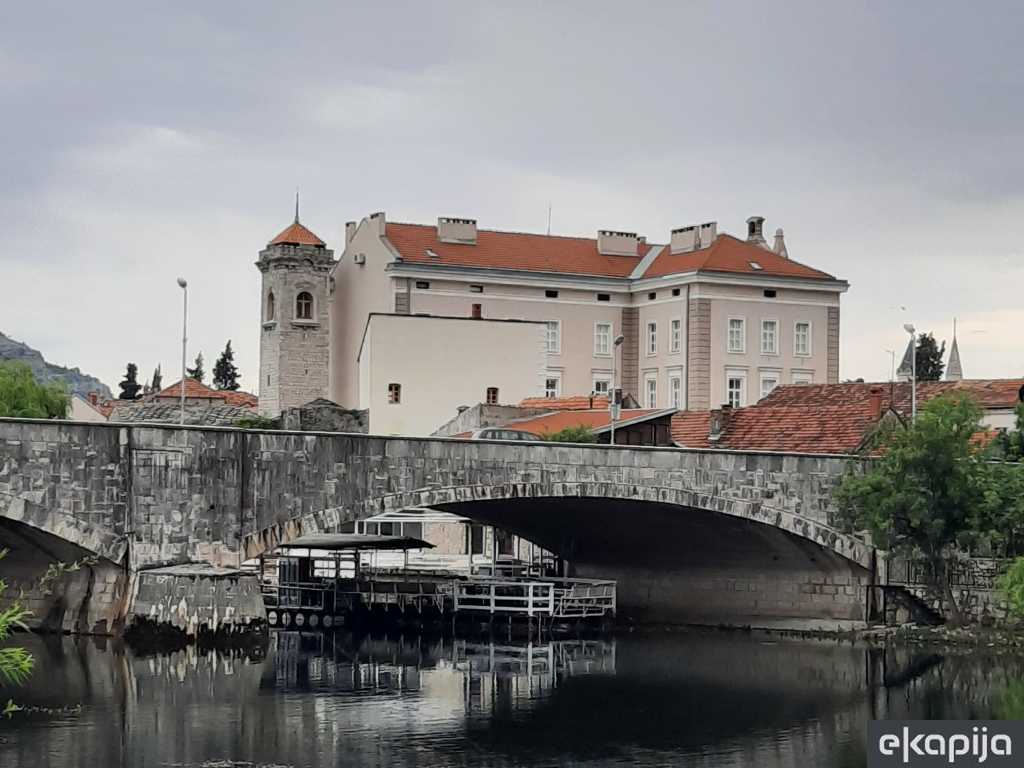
[(78, 383)]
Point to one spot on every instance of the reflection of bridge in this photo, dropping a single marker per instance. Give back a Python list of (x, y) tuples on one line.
[(691, 535)]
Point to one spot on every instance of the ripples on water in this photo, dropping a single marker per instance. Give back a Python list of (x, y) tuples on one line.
[(699, 699)]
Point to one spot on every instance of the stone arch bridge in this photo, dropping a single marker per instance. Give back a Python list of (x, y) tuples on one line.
[(691, 535)]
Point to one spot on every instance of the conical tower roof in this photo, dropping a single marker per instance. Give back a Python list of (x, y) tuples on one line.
[(954, 371), (296, 233)]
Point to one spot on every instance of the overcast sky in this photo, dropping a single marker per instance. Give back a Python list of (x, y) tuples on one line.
[(140, 143)]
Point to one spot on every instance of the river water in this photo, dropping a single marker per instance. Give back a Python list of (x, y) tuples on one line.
[(682, 699)]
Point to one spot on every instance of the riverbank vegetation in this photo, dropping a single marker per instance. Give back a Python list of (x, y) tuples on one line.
[(941, 487), (22, 397), (15, 662)]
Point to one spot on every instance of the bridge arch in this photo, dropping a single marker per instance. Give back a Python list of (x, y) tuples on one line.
[(90, 539)]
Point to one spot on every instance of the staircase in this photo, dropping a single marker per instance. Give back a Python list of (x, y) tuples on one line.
[(919, 612)]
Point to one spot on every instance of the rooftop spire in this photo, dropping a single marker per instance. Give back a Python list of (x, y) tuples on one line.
[(296, 205), (905, 371), (954, 370)]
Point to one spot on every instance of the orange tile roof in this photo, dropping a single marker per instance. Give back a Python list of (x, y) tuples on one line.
[(988, 393), (730, 254), (245, 399), (511, 250), (549, 423), (296, 234), (196, 390), (566, 403)]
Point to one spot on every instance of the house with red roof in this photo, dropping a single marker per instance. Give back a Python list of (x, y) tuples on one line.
[(705, 317)]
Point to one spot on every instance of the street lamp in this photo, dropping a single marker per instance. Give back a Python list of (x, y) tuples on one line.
[(613, 408), (183, 284), (913, 371)]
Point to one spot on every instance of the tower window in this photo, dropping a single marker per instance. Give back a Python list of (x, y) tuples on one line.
[(304, 306), (270, 306), (492, 395), (394, 393)]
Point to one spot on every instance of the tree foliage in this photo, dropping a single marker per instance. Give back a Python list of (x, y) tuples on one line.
[(257, 422), (15, 663), (926, 493), (576, 434), (157, 382), (929, 358), (130, 383), (225, 374), (196, 371), (21, 396)]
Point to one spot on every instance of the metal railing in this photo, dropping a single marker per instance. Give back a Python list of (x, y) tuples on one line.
[(554, 597)]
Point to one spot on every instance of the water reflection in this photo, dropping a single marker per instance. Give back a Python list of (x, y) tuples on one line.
[(336, 699)]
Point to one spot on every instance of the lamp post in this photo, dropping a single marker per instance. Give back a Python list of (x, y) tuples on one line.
[(183, 284), (913, 371), (613, 407)]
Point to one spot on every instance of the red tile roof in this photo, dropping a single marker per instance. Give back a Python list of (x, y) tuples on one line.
[(566, 403), (195, 390), (511, 250), (297, 234), (827, 418), (730, 254), (549, 423)]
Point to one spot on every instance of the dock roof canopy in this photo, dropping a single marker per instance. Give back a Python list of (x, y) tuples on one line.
[(338, 541)]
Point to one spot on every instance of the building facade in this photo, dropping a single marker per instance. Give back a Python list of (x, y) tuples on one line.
[(706, 318)]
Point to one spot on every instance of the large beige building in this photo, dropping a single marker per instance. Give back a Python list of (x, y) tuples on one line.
[(706, 317)]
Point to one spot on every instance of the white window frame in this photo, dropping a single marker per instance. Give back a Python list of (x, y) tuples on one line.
[(675, 390), (557, 350), (775, 376), (605, 379), (557, 377), (651, 338), (741, 374), (675, 335), (810, 338), (742, 350), (611, 336), (801, 377), (649, 379), (775, 336)]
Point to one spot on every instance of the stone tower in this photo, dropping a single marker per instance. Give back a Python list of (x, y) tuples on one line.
[(294, 329)]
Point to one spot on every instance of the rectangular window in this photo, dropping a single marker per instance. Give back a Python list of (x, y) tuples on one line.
[(476, 539), (769, 337), (802, 340), (602, 339), (802, 377), (552, 385), (476, 289), (492, 395), (675, 291), (652, 338), (737, 335), (652, 296), (422, 285), (551, 294), (414, 530), (675, 335), (734, 390), (651, 389), (394, 393), (604, 297), (602, 386), (675, 391), (554, 337), (769, 381)]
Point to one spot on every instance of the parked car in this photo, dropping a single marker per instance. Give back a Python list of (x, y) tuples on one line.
[(501, 433)]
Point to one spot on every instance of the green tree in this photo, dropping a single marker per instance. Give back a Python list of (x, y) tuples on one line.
[(21, 396), (15, 663), (225, 374), (925, 494), (130, 383), (575, 434), (196, 371), (929, 358), (157, 382)]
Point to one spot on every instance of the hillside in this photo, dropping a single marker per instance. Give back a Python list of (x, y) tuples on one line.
[(76, 381)]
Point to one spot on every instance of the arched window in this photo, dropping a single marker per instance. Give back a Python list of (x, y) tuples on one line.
[(270, 306), (394, 393), (304, 306)]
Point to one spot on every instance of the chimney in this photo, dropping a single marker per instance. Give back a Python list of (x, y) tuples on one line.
[(875, 404), (611, 243), (684, 239), (350, 231), (755, 230), (380, 222), (708, 232), (719, 423), (456, 230), (780, 244), (478, 311)]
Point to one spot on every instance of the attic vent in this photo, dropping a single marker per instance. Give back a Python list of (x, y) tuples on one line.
[(755, 265), (431, 254)]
